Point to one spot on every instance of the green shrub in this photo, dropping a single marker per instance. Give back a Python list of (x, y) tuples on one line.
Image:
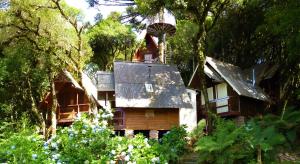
[(23, 147), (225, 145), (173, 144), (90, 141)]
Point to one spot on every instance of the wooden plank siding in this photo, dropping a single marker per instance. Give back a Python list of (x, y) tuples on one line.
[(150, 119)]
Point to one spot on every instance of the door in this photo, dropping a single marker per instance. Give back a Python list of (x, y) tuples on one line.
[(222, 98)]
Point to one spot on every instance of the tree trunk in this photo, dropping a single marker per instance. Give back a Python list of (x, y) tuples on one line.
[(35, 111), (259, 160), (53, 109), (201, 36)]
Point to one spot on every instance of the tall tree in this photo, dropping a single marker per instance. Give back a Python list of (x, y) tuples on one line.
[(53, 41), (258, 31), (111, 40)]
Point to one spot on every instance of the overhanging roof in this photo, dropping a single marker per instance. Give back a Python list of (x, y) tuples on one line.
[(234, 76), (105, 81), (72, 80), (168, 88)]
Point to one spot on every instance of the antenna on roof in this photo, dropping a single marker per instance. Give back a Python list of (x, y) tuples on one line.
[(253, 76), (161, 25)]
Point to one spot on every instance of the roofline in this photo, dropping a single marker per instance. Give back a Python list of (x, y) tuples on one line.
[(158, 64), (224, 77)]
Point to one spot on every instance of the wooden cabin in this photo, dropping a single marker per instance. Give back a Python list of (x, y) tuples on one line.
[(146, 97), (72, 100), (231, 91)]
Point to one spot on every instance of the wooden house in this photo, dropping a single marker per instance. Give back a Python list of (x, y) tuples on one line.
[(146, 96), (232, 92), (73, 99)]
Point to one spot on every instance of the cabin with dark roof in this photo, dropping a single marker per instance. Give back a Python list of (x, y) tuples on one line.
[(232, 92), (146, 96)]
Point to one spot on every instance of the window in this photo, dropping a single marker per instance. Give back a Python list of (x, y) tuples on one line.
[(119, 118), (149, 87), (148, 58)]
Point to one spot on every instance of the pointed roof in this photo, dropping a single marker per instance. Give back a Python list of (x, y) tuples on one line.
[(71, 79), (234, 76)]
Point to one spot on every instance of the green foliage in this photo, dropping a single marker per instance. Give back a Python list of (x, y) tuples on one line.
[(89, 140), (33, 50), (111, 40), (226, 145), (241, 144), (23, 147), (173, 144), (183, 53)]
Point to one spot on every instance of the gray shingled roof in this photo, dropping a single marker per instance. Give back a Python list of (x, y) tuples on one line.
[(235, 77), (105, 81), (168, 88), (262, 72)]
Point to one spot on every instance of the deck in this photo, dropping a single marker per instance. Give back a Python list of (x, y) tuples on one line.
[(68, 113)]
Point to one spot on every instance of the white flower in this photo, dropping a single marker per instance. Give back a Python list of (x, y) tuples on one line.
[(83, 131), (127, 158), (155, 159), (55, 156), (123, 153), (112, 162), (34, 156), (130, 148), (54, 145), (113, 152), (146, 140), (131, 162)]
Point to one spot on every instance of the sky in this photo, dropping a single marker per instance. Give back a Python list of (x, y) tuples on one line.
[(90, 13)]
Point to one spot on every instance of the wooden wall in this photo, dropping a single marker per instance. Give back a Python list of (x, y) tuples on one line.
[(151, 119)]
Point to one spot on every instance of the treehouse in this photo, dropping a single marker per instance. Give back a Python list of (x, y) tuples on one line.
[(232, 92), (147, 53), (72, 99), (147, 97)]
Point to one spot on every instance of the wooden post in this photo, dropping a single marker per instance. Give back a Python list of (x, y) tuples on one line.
[(77, 103)]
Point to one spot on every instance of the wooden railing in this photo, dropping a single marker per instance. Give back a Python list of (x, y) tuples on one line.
[(233, 106), (68, 113)]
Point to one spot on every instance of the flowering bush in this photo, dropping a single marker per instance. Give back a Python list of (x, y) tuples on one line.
[(23, 147), (89, 140), (83, 141)]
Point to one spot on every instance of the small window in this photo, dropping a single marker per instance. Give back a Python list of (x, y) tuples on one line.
[(148, 58), (118, 119), (149, 87)]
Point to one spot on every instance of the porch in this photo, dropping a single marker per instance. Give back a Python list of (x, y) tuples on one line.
[(68, 113)]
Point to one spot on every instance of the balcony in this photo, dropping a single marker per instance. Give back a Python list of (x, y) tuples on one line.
[(68, 113), (225, 107)]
